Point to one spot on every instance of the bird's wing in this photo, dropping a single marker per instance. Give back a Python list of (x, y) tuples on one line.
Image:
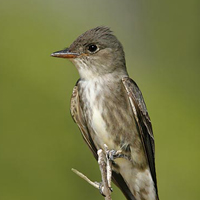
[(79, 119), (143, 122)]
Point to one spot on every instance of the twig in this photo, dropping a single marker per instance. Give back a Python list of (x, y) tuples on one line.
[(94, 184), (108, 167), (106, 173), (103, 166)]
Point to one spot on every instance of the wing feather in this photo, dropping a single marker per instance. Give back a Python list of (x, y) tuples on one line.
[(143, 122), (79, 119)]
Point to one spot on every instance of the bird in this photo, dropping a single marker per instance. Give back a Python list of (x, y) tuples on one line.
[(108, 107)]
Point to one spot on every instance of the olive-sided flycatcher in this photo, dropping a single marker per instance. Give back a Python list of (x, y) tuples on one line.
[(108, 108)]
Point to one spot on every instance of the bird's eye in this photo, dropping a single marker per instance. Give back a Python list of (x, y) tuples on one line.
[(92, 48)]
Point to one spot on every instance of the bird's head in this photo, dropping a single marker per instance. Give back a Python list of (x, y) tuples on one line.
[(95, 53)]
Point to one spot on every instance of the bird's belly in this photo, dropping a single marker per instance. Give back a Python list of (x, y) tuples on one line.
[(101, 134)]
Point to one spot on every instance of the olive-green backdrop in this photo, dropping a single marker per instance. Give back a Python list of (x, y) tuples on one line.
[(39, 142)]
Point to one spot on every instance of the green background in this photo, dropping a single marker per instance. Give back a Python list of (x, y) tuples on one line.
[(39, 142)]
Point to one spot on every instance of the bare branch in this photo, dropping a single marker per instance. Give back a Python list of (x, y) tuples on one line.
[(94, 184), (108, 166), (105, 166)]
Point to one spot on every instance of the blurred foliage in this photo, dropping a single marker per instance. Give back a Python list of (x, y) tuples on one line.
[(39, 143)]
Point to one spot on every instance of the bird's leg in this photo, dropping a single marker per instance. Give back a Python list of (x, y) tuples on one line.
[(106, 159)]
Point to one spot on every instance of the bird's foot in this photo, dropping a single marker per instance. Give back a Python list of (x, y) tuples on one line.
[(113, 154), (101, 189)]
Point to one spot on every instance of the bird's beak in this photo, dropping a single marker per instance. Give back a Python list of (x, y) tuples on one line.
[(65, 53)]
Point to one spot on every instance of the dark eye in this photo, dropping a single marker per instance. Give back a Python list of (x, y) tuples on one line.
[(92, 48)]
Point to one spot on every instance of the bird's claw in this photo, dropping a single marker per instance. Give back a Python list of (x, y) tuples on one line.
[(113, 154), (101, 188)]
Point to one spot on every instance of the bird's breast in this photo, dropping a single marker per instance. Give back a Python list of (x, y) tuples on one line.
[(107, 113), (93, 101)]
